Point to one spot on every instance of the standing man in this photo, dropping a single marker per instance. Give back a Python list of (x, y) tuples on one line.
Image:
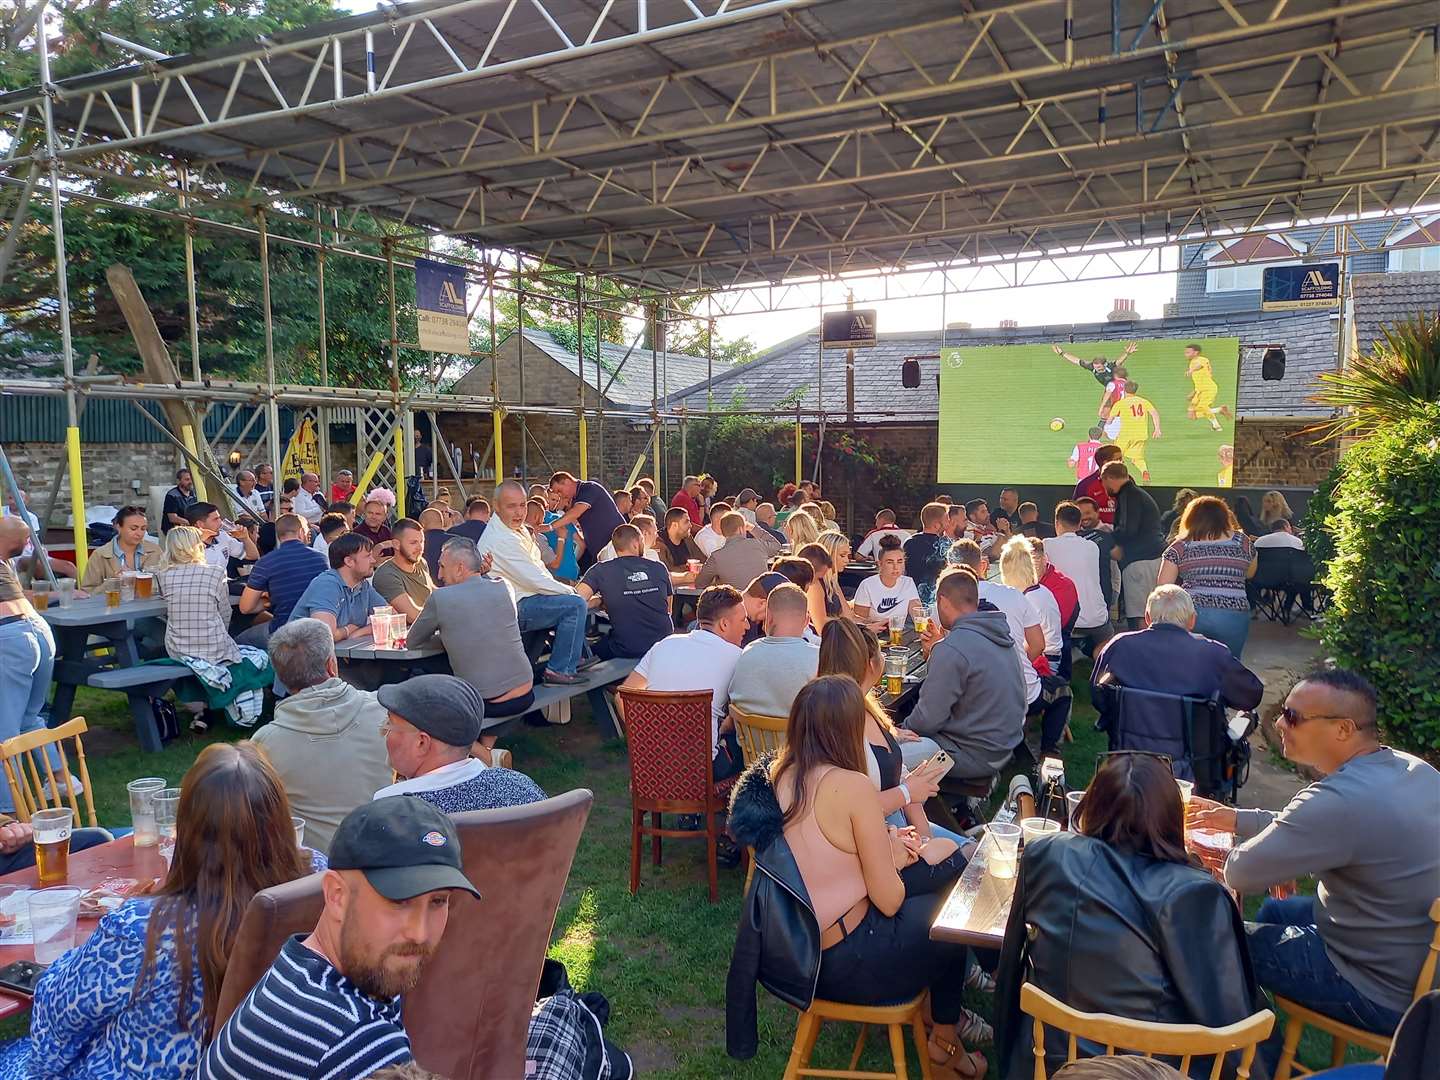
[(1366, 830), (309, 503), (251, 501), (541, 601), (588, 505), (404, 579), (636, 593), (177, 500), (343, 486), (1139, 540), (1090, 486), (330, 1003), (688, 499), (265, 485), (1080, 560)]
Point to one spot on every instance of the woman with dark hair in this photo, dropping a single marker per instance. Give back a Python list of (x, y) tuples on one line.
[(129, 549), (1245, 515), (848, 649), (140, 996), (1211, 559), (1115, 917), (815, 821)]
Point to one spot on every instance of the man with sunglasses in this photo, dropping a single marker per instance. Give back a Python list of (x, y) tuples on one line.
[(1366, 831)]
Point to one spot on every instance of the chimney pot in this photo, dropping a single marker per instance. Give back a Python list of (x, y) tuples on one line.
[(1008, 324)]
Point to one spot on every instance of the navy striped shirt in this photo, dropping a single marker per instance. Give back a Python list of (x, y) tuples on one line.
[(306, 1021), (285, 574)]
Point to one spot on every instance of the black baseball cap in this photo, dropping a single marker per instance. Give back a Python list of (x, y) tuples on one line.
[(404, 846), (442, 706)]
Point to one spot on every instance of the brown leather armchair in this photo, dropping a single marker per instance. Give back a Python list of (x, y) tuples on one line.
[(469, 1016)]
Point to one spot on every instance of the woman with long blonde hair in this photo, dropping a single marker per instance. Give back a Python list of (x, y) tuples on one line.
[(800, 529), (1273, 508), (837, 546)]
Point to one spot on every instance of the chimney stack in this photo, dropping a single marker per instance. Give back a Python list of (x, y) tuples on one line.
[(1008, 324), (1124, 311)]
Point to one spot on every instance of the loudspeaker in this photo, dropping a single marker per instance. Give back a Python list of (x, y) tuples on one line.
[(1272, 365), (910, 374)]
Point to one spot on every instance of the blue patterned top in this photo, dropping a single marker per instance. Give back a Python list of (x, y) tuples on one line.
[(88, 1021)]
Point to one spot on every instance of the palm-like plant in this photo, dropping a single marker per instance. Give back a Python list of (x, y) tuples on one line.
[(1386, 384)]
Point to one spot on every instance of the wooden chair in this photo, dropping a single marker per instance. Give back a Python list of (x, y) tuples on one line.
[(895, 1018), (1183, 1041), (758, 735), (1342, 1035), (671, 772), (30, 793)]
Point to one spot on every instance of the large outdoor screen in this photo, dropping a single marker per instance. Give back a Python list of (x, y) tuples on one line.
[(1035, 414)]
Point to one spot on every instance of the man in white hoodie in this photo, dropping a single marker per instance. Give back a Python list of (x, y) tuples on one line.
[(325, 741)]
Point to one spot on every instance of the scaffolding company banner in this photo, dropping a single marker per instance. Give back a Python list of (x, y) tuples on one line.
[(440, 301)]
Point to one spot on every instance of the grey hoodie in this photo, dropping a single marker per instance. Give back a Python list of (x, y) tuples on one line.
[(972, 701), (325, 743)]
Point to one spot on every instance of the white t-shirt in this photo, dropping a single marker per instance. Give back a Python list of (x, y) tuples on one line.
[(1050, 621), (1280, 540), (608, 552), (709, 541), (1079, 560), (698, 660), (223, 550), (870, 547), (883, 602), (254, 503), (1019, 613)]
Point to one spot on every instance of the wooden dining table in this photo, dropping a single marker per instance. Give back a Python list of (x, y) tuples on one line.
[(88, 868)]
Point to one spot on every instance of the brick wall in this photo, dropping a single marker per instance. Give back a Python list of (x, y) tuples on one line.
[(110, 472), (1273, 453)]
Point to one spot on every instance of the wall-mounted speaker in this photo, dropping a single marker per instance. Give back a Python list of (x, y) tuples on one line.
[(1272, 365), (910, 374)]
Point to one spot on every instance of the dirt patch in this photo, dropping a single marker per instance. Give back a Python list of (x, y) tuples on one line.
[(651, 1057)]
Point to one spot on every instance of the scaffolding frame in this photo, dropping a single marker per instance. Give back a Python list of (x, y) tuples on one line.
[(915, 151)]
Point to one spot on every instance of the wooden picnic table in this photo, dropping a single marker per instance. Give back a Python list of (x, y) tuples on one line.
[(370, 667), (88, 868), (978, 907)]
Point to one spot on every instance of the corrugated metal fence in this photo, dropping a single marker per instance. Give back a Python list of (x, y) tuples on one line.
[(30, 418)]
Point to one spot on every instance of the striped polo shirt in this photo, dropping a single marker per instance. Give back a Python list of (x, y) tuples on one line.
[(306, 1021), (285, 574)]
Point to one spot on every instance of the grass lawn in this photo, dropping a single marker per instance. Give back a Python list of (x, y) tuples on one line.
[(661, 955)]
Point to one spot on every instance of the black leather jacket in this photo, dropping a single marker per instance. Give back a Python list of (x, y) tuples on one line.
[(778, 943), (1110, 932)]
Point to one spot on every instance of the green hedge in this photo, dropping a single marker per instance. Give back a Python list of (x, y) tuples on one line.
[(1384, 620)]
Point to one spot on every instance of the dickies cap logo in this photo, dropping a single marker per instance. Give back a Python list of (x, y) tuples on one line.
[(434, 838)]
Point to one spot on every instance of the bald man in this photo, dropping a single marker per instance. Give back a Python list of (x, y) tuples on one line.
[(432, 520)]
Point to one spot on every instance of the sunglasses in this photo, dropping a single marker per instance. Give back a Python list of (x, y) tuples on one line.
[(1294, 718)]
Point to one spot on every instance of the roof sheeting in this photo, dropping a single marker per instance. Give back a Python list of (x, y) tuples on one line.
[(708, 142), (1381, 300), (790, 372)]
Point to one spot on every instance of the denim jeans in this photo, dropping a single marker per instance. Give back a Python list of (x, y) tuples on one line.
[(27, 663), (566, 613), (1290, 960), (1228, 627)]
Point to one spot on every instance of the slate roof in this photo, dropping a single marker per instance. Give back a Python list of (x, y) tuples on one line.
[(1384, 299), (632, 384), (773, 380)]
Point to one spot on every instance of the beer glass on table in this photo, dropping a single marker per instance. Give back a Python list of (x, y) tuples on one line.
[(894, 673), (144, 586), (52, 844), (167, 807), (142, 808), (897, 628), (112, 592)]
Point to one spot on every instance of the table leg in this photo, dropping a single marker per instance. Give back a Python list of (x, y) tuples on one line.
[(604, 715)]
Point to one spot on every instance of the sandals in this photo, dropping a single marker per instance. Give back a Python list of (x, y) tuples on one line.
[(965, 1064)]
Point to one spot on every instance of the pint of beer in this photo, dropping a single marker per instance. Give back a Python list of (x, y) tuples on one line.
[(52, 844), (112, 593), (144, 586), (894, 674), (922, 624)]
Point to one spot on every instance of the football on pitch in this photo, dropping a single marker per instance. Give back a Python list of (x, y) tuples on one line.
[(1057, 424)]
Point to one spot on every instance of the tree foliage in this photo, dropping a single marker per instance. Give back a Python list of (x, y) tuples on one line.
[(1386, 384), (1385, 574)]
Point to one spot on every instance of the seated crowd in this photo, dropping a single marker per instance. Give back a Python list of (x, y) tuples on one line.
[(846, 821)]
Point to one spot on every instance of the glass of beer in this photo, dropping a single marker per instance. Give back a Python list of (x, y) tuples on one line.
[(894, 674), (52, 844), (112, 592), (922, 624), (142, 808), (144, 586), (167, 806), (897, 629)]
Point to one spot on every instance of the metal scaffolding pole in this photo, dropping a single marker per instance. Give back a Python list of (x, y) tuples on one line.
[(190, 301), (322, 414), (398, 428), (497, 414), (62, 294), (580, 370), (272, 409), (520, 366)]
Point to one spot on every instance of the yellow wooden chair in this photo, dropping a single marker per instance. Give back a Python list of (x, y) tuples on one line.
[(1342, 1035), (24, 758), (895, 1018), (1183, 1041), (758, 735)]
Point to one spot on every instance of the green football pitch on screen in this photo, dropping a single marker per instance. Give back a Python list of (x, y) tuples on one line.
[(1035, 414)]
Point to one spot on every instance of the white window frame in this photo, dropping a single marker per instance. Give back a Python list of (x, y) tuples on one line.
[(1420, 258), (1239, 277)]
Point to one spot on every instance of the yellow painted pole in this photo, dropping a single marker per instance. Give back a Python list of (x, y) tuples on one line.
[(77, 497), (187, 436), (400, 470), (584, 450), (497, 417), (363, 484)]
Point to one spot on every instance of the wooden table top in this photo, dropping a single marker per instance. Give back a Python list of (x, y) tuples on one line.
[(88, 868), (91, 611), (364, 649)]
